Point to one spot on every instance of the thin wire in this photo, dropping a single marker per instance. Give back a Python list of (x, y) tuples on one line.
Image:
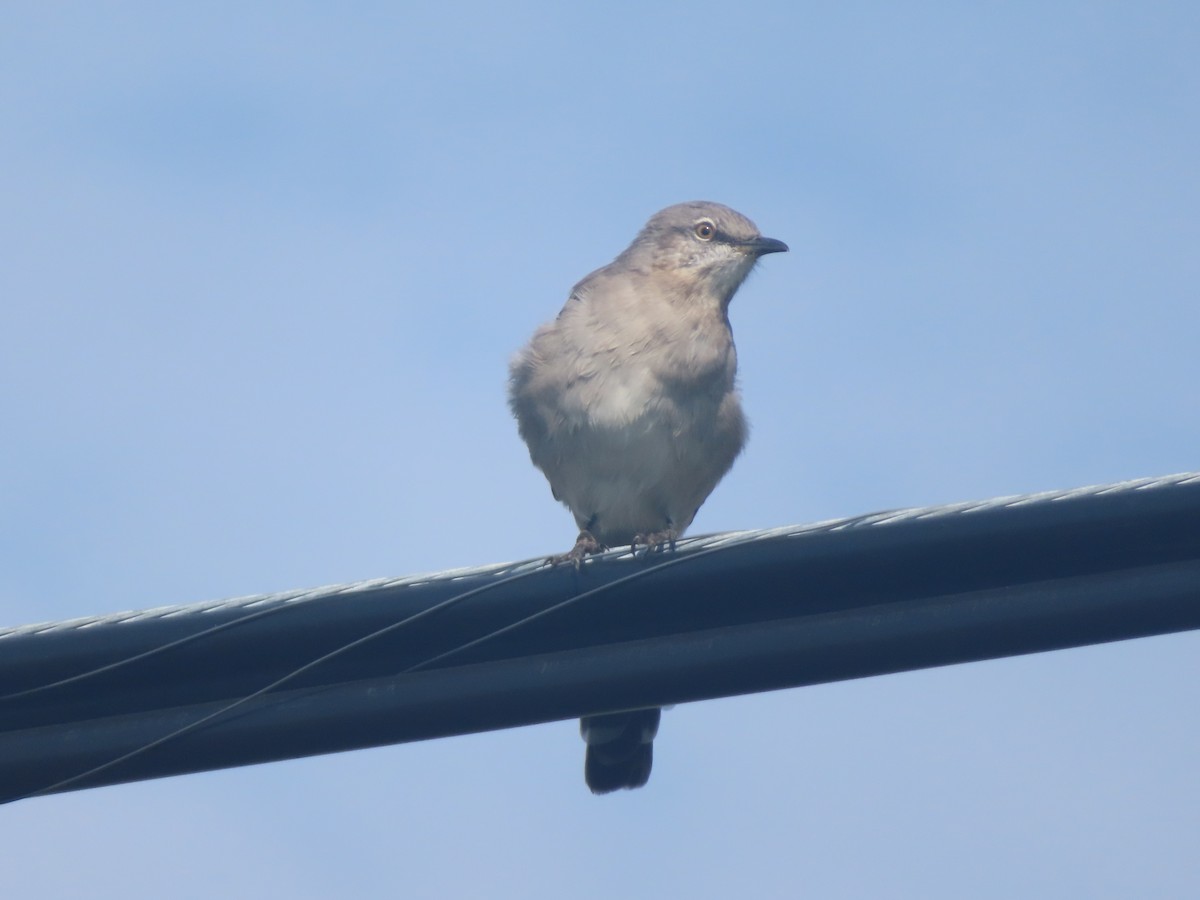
[(666, 564), (153, 651), (295, 673), (187, 639)]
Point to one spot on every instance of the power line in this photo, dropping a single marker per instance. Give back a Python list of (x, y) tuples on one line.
[(189, 688)]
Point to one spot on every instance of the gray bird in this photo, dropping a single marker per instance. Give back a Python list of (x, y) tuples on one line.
[(628, 404)]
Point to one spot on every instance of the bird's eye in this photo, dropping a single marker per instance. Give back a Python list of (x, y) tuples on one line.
[(705, 230)]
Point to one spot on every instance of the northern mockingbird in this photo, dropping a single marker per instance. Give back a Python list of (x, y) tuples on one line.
[(628, 405)]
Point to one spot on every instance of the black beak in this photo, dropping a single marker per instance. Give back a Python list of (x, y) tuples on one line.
[(764, 245)]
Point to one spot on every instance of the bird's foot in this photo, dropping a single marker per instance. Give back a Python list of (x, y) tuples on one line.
[(585, 545), (654, 541)]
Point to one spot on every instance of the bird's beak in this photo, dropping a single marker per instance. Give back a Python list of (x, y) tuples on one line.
[(761, 246)]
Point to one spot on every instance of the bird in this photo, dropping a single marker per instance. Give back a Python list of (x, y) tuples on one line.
[(628, 404)]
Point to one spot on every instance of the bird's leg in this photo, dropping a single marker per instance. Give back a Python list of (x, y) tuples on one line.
[(585, 545)]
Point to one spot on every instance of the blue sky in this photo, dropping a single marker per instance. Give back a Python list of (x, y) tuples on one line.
[(263, 267)]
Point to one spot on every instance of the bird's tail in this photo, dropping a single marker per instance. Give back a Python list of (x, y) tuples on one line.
[(620, 749)]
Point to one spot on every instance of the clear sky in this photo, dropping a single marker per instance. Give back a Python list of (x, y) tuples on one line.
[(261, 270)]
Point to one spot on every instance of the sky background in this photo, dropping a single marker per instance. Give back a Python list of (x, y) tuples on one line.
[(261, 270)]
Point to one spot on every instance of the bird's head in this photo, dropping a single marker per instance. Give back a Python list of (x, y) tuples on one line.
[(707, 248)]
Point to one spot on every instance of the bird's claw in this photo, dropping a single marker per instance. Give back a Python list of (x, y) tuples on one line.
[(585, 545), (654, 541)]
